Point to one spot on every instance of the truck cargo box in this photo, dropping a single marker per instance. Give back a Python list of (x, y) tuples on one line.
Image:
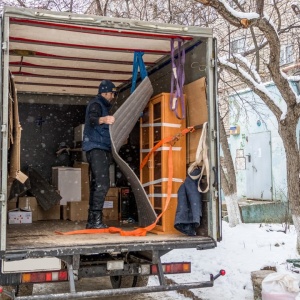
[(52, 66)]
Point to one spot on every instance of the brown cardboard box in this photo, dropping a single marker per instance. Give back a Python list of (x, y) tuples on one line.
[(111, 208), (51, 214), (77, 211), (12, 204), (113, 192), (85, 179), (197, 113), (30, 203), (64, 211), (38, 214)]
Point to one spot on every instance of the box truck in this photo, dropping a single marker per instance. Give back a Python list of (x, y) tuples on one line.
[(51, 67)]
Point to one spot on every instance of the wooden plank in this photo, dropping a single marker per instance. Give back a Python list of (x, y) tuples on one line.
[(197, 113)]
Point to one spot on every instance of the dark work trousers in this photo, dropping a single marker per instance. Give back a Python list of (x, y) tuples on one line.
[(99, 162)]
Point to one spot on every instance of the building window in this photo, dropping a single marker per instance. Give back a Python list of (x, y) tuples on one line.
[(286, 54), (238, 46)]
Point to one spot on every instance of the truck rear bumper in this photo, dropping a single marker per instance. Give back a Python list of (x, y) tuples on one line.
[(121, 291)]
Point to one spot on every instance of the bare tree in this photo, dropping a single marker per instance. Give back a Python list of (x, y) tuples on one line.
[(268, 30), (78, 6)]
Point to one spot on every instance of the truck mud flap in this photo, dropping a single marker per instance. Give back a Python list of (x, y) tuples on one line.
[(125, 119), (122, 291)]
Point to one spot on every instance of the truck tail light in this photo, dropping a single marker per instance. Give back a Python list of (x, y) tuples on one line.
[(173, 268), (45, 276)]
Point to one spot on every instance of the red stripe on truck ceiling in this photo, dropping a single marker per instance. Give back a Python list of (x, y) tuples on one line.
[(58, 44), (56, 85), (29, 65), (97, 30), (31, 53), (27, 74)]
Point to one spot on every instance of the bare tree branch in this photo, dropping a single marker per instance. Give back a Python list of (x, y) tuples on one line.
[(236, 70)]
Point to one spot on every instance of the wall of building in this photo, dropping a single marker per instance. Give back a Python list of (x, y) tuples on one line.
[(251, 116)]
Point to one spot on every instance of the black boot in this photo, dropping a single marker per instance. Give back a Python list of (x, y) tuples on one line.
[(90, 221), (97, 220)]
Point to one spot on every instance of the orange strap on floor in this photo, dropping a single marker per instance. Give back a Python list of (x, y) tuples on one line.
[(143, 230)]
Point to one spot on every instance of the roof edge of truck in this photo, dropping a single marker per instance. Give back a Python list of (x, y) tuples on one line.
[(118, 23)]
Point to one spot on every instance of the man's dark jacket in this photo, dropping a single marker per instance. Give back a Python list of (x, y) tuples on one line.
[(95, 135)]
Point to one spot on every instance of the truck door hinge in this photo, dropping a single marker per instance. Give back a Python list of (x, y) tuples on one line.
[(212, 62), (3, 128), (2, 197), (213, 134), (4, 46)]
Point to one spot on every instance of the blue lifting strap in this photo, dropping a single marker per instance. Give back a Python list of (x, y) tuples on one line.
[(138, 63)]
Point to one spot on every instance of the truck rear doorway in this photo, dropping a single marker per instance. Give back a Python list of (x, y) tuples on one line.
[(57, 61)]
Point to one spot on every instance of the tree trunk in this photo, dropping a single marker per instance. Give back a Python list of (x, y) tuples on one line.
[(288, 135), (228, 181), (234, 215)]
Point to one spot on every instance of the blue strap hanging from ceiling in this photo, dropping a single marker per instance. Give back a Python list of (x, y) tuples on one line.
[(138, 63)]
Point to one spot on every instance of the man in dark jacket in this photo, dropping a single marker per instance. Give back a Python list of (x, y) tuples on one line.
[(97, 144)]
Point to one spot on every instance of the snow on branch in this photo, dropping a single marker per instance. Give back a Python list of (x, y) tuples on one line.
[(245, 61), (257, 86), (236, 18)]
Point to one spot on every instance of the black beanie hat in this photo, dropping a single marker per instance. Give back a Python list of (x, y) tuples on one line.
[(106, 86)]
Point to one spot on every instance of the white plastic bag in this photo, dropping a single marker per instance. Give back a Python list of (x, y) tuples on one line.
[(280, 286)]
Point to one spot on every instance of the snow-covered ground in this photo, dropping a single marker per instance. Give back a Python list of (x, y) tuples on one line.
[(245, 248)]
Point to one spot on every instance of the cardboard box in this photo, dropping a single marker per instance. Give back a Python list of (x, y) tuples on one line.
[(77, 211), (12, 204), (195, 93), (111, 208), (85, 179), (113, 192), (51, 214), (64, 210), (19, 216), (29, 203), (68, 182), (38, 213)]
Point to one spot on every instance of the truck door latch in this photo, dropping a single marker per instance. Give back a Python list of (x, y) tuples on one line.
[(4, 46)]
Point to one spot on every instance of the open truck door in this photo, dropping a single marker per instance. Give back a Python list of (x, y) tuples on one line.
[(3, 138)]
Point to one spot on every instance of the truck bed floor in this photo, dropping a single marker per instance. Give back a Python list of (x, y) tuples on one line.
[(41, 235)]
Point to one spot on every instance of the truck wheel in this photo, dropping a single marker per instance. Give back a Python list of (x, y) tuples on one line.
[(25, 289), (21, 290), (140, 281), (121, 281), (128, 281)]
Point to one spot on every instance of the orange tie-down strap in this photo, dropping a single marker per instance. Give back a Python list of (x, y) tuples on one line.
[(143, 230)]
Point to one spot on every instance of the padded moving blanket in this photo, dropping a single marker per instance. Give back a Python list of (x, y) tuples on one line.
[(125, 119)]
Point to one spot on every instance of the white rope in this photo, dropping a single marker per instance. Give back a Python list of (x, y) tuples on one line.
[(201, 160)]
